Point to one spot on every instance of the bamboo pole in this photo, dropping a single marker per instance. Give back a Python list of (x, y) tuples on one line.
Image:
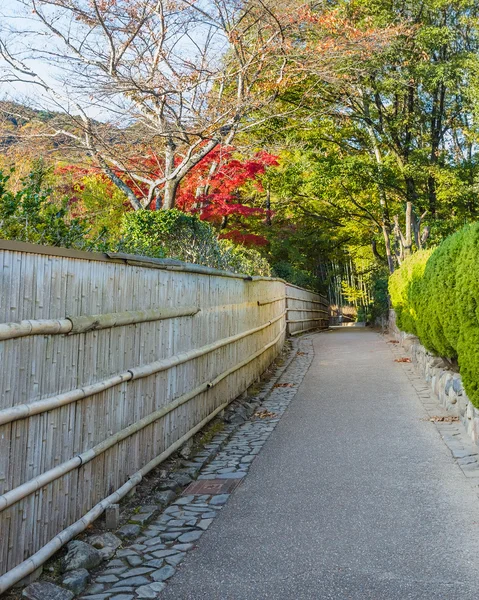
[(271, 301), (9, 331), (303, 320), (309, 329), (85, 323), (306, 300), (313, 310), (93, 322), (21, 411)]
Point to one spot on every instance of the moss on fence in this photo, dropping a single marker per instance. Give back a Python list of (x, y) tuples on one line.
[(436, 296)]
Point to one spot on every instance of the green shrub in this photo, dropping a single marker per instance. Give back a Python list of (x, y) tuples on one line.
[(401, 285), (467, 302), (379, 289), (437, 324), (29, 215), (175, 234), (300, 277), (169, 233), (241, 259), (436, 297)]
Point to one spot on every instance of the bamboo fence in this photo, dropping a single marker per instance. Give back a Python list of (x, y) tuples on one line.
[(108, 364)]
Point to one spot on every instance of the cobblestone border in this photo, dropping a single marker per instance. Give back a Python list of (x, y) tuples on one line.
[(142, 569), (454, 434)]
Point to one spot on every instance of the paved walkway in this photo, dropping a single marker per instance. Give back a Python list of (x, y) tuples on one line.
[(354, 496)]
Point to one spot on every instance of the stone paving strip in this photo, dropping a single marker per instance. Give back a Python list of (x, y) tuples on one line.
[(142, 569), (452, 431)]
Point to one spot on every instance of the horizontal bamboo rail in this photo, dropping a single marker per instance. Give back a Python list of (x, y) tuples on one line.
[(278, 299), (313, 310), (315, 328), (322, 302), (85, 323), (302, 320)]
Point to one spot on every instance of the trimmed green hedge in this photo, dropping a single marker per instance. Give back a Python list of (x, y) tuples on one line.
[(175, 234), (436, 296)]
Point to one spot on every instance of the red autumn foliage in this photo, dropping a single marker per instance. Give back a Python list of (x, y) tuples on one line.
[(212, 189), (245, 239), (221, 176)]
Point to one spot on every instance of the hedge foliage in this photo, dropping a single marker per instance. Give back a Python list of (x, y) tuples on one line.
[(175, 234), (436, 296)]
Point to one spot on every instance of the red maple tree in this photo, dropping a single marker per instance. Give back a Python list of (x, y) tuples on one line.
[(213, 188)]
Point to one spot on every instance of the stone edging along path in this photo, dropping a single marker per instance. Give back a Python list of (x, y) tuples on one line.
[(445, 383), (454, 433), (142, 569)]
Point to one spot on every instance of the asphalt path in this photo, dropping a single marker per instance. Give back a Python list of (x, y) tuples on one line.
[(354, 496)]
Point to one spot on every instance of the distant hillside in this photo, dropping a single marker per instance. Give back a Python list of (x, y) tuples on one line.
[(21, 126)]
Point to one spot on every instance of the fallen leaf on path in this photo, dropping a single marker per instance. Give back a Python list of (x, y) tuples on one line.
[(300, 353), (447, 419), (264, 414), (276, 385), (408, 360), (393, 342)]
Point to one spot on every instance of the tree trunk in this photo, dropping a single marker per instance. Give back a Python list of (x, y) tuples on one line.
[(408, 238), (171, 184), (385, 220), (169, 194), (268, 206), (387, 243)]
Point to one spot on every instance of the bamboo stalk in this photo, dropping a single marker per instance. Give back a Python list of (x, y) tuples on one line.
[(304, 320), (309, 329), (21, 411), (34, 327), (323, 303), (93, 322), (271, 301), (313, 310)]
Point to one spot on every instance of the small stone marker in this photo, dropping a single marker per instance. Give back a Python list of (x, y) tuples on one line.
[(112, 516)]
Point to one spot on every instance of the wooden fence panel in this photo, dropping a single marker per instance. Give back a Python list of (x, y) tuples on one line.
[(305, 310), (83, 415)]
